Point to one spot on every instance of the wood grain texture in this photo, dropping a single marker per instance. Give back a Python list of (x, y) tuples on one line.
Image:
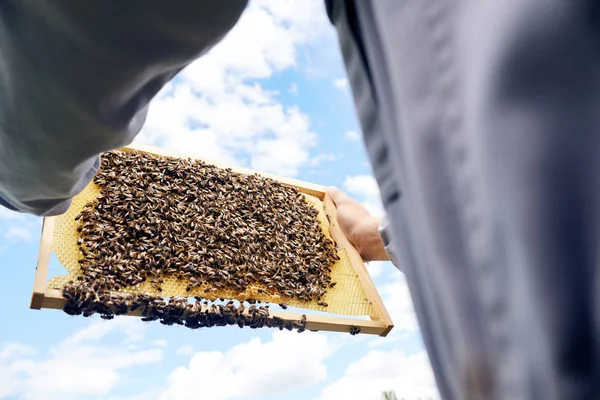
[(357, 264), (41, 270)]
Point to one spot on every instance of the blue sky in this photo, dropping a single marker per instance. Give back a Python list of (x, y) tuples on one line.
[(272, 96)]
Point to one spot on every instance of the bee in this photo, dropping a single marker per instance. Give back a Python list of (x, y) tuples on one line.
[(354, 330), (156, 287)]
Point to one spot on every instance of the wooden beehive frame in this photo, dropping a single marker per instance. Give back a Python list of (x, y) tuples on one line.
[(43, 297)]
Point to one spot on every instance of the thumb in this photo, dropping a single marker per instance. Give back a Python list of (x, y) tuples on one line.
[(336, 194)]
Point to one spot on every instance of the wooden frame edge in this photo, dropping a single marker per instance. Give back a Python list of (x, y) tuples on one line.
[(358, 265), (43, 263), (53, 299)]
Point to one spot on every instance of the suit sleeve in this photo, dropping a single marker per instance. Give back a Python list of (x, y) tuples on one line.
[(388, 243), (76, 79)]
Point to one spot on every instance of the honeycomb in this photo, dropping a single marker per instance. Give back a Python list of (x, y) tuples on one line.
[(347, 297)]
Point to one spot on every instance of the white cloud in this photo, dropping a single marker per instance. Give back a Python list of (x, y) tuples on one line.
[(387, 341), (185, 350), (253, 369), (409, 376), (376, 268), (160, 343), (140, 396), (341, 83), (322, 158), (266, 39), (364, 185), (366, 188), (128, 329), (396, 297), (6, 214), (82, 365), (18, 227), (18, 233), (12, 363), (293, 89), (352, 136), (217, 109)]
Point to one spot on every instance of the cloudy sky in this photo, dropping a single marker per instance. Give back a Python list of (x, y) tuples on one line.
[(271, 96)]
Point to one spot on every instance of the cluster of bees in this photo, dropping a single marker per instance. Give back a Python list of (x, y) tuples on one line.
[(207, 226), (354, 330), (86, 301)]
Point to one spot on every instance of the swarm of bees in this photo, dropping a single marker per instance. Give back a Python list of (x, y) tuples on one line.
[(207, 226), (86, 301)]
